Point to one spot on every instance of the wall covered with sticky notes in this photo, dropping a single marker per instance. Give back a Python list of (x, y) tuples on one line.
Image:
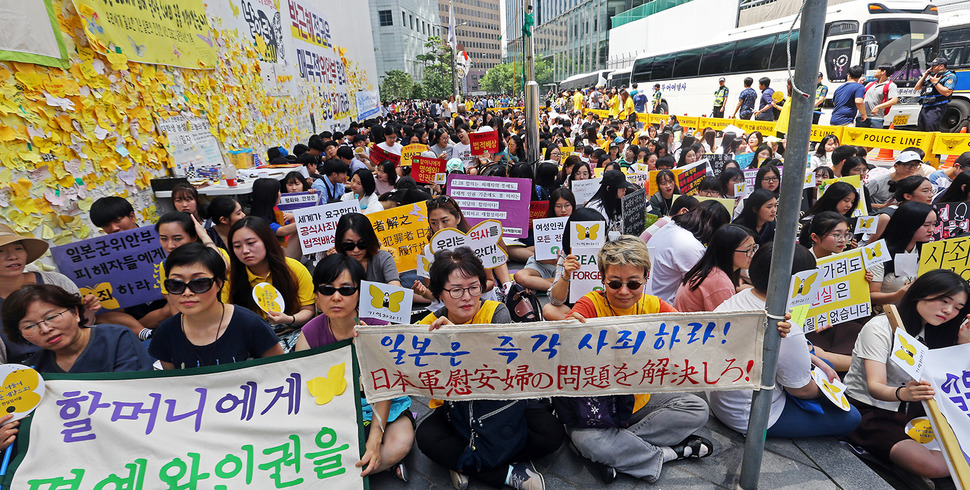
[(269, 73)]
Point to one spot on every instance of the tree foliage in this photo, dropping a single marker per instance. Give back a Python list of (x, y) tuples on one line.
[(502, 78), (397, 84), (438, 62)]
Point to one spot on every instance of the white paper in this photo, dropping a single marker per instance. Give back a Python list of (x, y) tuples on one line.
[(833, 390), (804, 287), (548, 233), (866, 224), (907, 264), (584, 234), (385, 302), (908, 353), (585, 189), (875, 254)]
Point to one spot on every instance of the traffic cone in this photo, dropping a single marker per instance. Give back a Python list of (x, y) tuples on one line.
[(886, 154), (951, 160)]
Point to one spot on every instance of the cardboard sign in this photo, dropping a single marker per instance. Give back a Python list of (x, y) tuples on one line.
[(634, 207), (833, 390), (378, 155), (538, 210), (728, 203), (485, 142), (268, 298), (583, 190), (587, 278), (316, 226), (410, 152), (493, 198), (385, 302), (548, 233), (690, 177), (483, 239), (952, 254), (804, 288), (908, 353), (298, 200), (22, 390), (716, 162), (121, 269), (426, 169), (843, 294), (854, 181), (954, 219), (583, 234), (875, 254), (866, 224), (403, 231)]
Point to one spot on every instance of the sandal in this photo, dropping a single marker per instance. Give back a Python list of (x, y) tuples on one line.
[(400, 471), (694, 442)]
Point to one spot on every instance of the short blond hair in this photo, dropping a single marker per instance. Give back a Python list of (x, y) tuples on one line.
[(625, 250)]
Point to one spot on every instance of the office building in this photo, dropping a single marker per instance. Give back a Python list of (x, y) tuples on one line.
[(478, 27), (400, 28)]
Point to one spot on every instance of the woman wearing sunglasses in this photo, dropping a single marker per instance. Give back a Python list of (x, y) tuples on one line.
[(649, 431), (257, 257), (206, 331), (510, 433), (337, 280), (356, 239)]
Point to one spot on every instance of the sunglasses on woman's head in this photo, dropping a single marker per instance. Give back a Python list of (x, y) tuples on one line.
[(328, 290), (198, 285)]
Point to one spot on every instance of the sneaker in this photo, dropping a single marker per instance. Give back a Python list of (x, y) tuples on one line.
[(458, 480), (525, 477), (400, 471)]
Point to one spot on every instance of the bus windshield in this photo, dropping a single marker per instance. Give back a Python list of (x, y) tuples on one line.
[(901, 44)]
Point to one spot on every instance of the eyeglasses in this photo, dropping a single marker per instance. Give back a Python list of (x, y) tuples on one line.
[(631, 285), (750, 251), (475, 290), (34, 327), (563, 207), (328, 290), (840, 237), (770, 179), (198, 285), (348, 246)]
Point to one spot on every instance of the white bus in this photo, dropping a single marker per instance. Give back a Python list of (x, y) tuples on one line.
[(954, 45), (859, 32), (619, 78), (585, 80)]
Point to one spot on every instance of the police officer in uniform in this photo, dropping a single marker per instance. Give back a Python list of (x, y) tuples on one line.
[(939, 83), (720, 96)]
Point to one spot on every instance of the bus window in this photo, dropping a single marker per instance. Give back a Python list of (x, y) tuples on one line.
[(837, 56), (752, 54), (901, 44), (952, 54), (717, 59), (663, 66), (779, 55), (687, 63), (641, 70)]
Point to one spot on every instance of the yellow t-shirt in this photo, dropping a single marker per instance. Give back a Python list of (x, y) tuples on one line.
[(484, 315), (614, 106), (578, 102), (627, 108), (304, 282), (223, 295)]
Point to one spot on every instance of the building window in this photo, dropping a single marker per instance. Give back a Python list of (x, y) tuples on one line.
[(385, 18)]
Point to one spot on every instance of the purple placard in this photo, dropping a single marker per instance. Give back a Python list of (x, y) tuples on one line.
[(118, 267), (298, 200), (501, 199)]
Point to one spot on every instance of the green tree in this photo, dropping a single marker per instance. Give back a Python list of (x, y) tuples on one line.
[(417, 91), (396, 85), (503, 78), (438, 59)]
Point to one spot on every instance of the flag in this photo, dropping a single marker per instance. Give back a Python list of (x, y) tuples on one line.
[(452, 39)]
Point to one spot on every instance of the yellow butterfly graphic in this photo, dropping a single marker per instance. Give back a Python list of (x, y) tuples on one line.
[(921, 430), (866, 223), (836, 392), (105, 294), (587, 233), (325, 388), (804, 286), (907, 351), (20, 385), (874, 251), (380, 299)]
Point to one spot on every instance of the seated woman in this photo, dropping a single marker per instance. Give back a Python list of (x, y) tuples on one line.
[(537, 275), (508, 434), (224, 211), (645, 431), (355, 238), (760, 209), (678, 246), (363, 188), (663, 199), (607, 200), (567, 263), (206, 331), (932, 310), (716, 277), (52, 319), (798, 409), (337, 281), (257, 257)]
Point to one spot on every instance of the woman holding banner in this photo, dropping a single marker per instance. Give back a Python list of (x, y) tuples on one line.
[(932, 311), (538, 275), (388, 425), (493, 441)]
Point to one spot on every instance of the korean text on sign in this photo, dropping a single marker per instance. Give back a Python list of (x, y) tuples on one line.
[(501, 199), (316, 226), (843, 294)]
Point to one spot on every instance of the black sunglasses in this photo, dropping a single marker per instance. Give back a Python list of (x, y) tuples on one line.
[(198, 285), (348, 246), (328, 290), (631, 285)]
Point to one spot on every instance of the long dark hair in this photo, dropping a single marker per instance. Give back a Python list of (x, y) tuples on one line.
[(720, 255), (241, 292), (821, 224), (762, 172), (820, 149), (579, 214), (956, 192), (727, 175), (753, 204), (704, 220), (933, 285), (266, 193), (907, 186), (294, 176), (607, 195), (560, 193), (359, 224), (833, 195), (387, 167), (908, 218)]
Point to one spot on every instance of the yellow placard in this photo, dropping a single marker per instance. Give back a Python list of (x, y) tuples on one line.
[(403, 231), (819, 132), (715, 123), (164, 32), (952, 254), (854, 181), (844, 293), (565, 151), (268, 298), (728, 203), (887, 138), (409, 152), (951, 143)]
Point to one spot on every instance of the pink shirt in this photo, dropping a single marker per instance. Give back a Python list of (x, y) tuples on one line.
[(708, 295)]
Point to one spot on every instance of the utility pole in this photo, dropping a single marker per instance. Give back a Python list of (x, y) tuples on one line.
[(531, 88), (798, 132)]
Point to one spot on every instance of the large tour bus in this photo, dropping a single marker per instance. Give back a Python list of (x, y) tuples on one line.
[(619, 78), (597, 78), (859, 32), (954, 45)]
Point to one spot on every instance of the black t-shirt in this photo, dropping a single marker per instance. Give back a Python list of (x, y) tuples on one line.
[(247, 336)]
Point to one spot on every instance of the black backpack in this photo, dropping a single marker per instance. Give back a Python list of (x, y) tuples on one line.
[(523, 304)]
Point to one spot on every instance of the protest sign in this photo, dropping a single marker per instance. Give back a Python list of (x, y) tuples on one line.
[(669, 352), (634, 207), (268, 298), (483, 239), (493, 198), (385, 302), (409, 152), (952, 254), (426, 169), (843, 294), (538, 210), (484, 142), (317, 225), (298, 200), (876, 253), (866, 224), (190, 142), (22, 390), (947, 371), (804, 288), (258, 423), (833, 390), (121, 269), (953, 219), (690, 177), (728, 203), (716, 162), (638, 179), (854, 181), (584, 234), (587, 278), (378, 155), (908, 353), (744, 160), (403, 231), (583, 190), (548, 233)]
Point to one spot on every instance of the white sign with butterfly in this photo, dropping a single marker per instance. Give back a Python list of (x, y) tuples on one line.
[(587, 234), (385, 302), (866, 224), (804, 288), (833, 390), (908, 353), (875, 254)]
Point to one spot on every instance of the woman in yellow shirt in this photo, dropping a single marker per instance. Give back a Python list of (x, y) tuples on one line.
[(627, 103), (614, 103)]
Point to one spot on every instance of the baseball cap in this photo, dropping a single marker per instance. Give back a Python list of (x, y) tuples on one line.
[(939, 60), (619, 140), (908, 156), (720, 79)]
